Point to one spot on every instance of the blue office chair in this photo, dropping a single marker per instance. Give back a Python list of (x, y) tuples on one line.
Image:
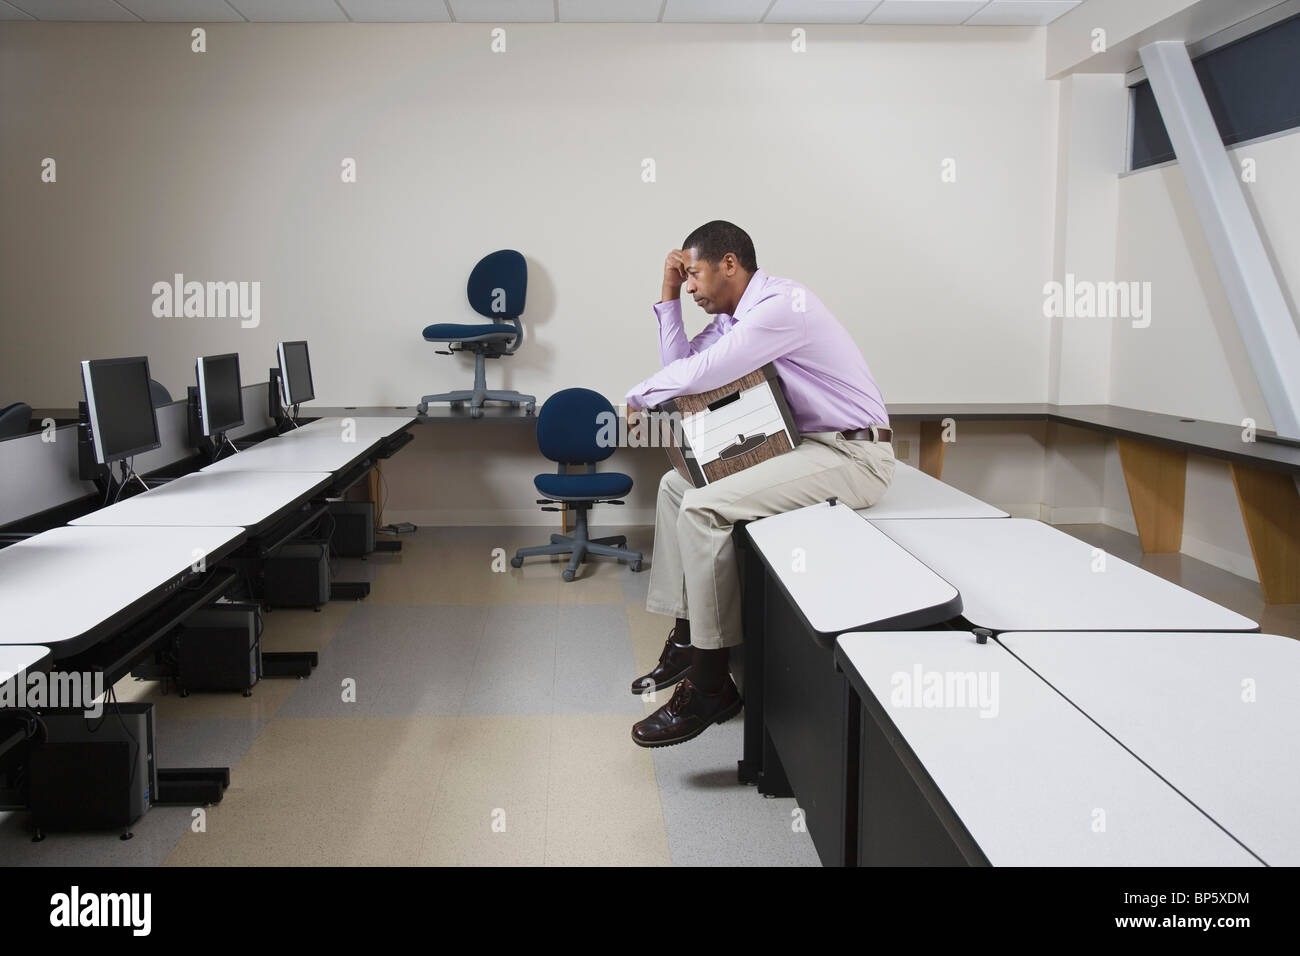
[(567, 429), (15, 419), (496, 289), (158, 394)]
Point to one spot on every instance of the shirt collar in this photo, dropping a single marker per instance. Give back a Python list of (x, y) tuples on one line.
[(751, 294)]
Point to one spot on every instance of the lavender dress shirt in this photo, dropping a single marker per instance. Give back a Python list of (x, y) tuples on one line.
[(823, 373)]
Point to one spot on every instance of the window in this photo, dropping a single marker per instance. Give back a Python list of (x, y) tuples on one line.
[(1252, 87)]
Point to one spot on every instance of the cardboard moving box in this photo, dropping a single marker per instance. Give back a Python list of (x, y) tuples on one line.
[(731, 428)]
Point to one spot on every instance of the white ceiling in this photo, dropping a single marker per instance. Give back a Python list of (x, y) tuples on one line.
[(930, 12)]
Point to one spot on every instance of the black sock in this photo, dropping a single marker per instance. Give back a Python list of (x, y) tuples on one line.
[(681, 634), (709, 669)]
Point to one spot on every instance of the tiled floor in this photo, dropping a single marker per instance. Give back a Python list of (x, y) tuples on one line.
[(464, 715)]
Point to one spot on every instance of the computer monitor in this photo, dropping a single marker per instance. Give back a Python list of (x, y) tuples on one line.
[(120, 407), (295, 373), (221, 403)]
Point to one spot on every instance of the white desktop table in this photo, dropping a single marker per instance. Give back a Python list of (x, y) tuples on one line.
[(1024, 575), (367, 428), (1213, 714), (327, 447), (1036, 783), (236, 499), (843, 573), (914, 494), (14, 660), (59, 586)]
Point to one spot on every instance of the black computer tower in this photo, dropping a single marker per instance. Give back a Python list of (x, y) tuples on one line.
[(92, 773), (220, 648), (354, 528), (297, 575)]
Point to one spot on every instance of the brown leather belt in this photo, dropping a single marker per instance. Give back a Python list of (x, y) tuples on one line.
[(872, 433)]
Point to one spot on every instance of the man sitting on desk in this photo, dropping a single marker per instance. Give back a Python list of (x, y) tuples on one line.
[(834, 400)]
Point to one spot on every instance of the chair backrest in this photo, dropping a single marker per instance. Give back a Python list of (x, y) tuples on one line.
[(15, 419), (506, 271), (158, 393), (571, 422)]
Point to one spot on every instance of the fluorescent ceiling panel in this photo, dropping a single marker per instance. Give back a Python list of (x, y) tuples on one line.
[(1022, 12), (926, 12), (820, 11), (503, 11), (620, 11), (396, 11), (199, 11), (715, 11), (72, 10), (311, 11)]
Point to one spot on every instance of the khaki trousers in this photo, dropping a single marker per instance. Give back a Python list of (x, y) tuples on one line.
[(693, 572)]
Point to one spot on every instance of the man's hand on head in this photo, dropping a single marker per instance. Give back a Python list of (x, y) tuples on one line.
[(674, 276)]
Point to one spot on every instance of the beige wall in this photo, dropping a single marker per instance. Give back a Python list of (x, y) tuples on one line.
[(1191, 360), (226, 165)]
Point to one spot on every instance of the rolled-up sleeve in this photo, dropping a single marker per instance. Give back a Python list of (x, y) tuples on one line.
[(771, 329)]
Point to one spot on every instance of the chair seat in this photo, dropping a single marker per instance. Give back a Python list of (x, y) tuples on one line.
[(603, 484), (455, 332)]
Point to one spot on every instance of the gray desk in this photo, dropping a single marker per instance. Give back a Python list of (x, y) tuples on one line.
[(15, 660), (69, 586), (236, 499), (968, 756), (366, 429), (842, 573), (320, 446), (914, 494), (1213, 714), (1153, 450), (1024, 575)]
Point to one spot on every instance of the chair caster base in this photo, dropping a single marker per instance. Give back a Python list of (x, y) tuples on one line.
[(516, 562)]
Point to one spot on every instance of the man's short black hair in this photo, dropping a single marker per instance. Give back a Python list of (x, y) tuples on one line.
[(713, 240)]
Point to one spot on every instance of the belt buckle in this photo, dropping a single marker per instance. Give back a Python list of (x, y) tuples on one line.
[(875, 435)]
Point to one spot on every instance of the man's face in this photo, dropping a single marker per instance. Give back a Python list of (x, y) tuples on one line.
[(705, 281)]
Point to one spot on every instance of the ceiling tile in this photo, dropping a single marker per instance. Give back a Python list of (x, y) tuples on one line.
[(623, 11), (1022, 12), (200, 11), (820, 11), (289, 10), (715, 11), (396, 11), (930, 12), (73, 10), (503, 11)]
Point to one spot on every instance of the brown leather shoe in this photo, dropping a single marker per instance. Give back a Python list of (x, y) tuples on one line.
[(690, 712), (674, 664)]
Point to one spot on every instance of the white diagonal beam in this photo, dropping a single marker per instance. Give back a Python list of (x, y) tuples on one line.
[(1254, 293)]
